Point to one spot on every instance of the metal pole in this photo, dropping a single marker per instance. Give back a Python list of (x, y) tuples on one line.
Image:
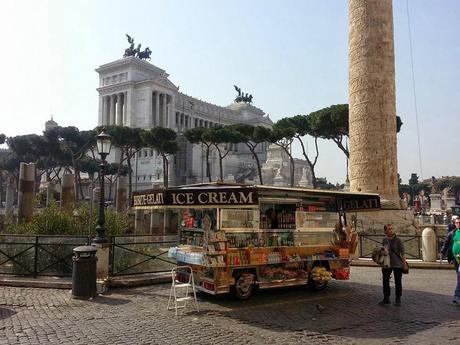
[(101, 236)]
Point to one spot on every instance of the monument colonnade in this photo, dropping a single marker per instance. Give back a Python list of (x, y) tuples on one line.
[(117, 109)]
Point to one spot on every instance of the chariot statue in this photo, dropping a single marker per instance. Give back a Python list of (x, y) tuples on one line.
[(246, 98), (131, 51)]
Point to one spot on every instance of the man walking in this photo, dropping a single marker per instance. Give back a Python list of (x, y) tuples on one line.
[(394, 248), (451, 248)]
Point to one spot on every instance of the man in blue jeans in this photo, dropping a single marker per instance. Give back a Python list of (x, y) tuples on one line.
[(451, 248), (395, 249)]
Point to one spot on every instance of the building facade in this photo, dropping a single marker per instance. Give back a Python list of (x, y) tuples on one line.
[(135, 93)]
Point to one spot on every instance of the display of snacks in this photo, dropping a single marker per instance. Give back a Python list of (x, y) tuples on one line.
[(280, 273)]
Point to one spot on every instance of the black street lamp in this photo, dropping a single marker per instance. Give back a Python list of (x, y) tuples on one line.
[(104, 144)]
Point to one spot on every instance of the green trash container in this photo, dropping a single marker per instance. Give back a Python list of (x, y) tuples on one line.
[(84, 272)]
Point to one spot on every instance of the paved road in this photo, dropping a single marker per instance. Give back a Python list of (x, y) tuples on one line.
[(282, 316)]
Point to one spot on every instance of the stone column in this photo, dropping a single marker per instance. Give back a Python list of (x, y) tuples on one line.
[(67, 191), (9, 197), (120, 109), (100, 120), (107, 110), (26, 192), (157, 108), (372, 119), (113, 100), (154, 222), (164, 113), (122, 195), (149, 111), (139, 222), (171, 112), (49, 192)]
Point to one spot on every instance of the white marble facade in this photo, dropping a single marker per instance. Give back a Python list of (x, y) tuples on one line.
[(135, 93)]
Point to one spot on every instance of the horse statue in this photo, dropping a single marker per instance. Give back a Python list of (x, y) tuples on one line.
[(238, 98), (144, 55), (130, 51)]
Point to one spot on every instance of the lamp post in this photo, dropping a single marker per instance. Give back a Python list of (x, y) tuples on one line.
[(104, 144)]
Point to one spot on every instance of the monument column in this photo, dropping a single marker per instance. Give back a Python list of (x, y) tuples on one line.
[(157, 108), (171, 112), (112, 109), (120, 109), (164, 100), (100, 120), (371, 93)]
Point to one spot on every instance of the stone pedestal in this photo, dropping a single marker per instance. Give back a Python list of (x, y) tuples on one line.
[(372, 222), (450, 201), (435, 201)]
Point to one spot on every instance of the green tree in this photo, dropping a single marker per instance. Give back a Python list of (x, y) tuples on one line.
[(282, 135), (223, 139), (252, 137), (75, 144), (303, 127), (163, 140), (332, 123), (197, 135), (130, 142)]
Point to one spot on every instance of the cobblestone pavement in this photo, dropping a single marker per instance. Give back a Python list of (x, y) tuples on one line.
[(283, 316)]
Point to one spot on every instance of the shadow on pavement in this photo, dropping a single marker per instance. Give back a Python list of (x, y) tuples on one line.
[(344, 310), (5, 313), (109, 300)]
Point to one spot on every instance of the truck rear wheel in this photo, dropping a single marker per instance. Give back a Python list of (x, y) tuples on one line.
[(317, 285), (244, 287)]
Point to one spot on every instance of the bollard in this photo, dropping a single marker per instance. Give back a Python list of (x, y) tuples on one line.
[(429, 250)]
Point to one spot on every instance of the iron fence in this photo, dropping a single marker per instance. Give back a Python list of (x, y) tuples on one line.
[(412, 244), (38, 255), (141, 254)]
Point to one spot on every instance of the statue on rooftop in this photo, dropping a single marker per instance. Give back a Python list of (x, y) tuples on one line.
[(130, 51), (246, 98)]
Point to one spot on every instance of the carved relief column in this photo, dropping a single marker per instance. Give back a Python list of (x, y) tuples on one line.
[(113, 100), (371, 92)]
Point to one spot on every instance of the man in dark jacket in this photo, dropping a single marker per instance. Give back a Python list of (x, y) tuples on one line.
[(395, 249), (448, 250)]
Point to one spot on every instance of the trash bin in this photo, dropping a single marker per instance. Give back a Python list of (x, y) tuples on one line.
[(84, 272)]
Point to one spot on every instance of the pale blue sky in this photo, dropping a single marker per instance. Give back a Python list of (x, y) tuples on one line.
[(291, 55)]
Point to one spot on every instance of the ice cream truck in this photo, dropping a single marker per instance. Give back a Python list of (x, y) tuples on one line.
[(238, 237)]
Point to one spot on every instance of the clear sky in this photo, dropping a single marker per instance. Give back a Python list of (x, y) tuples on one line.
[(291, 55)]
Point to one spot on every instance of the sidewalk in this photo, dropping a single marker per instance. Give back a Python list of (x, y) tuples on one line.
[(412, 263), (165, 277)]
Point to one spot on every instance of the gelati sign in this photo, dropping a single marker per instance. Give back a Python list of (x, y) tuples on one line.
[(360, 202), (191, 197)]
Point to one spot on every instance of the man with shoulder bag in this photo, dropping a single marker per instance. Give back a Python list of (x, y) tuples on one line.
[(394, 249), (451, 248)]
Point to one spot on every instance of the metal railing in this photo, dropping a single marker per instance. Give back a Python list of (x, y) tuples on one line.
[(141, 254), (412, 244), (38, 255)]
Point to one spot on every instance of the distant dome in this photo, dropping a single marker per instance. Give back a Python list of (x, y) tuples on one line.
[(50, 124)]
